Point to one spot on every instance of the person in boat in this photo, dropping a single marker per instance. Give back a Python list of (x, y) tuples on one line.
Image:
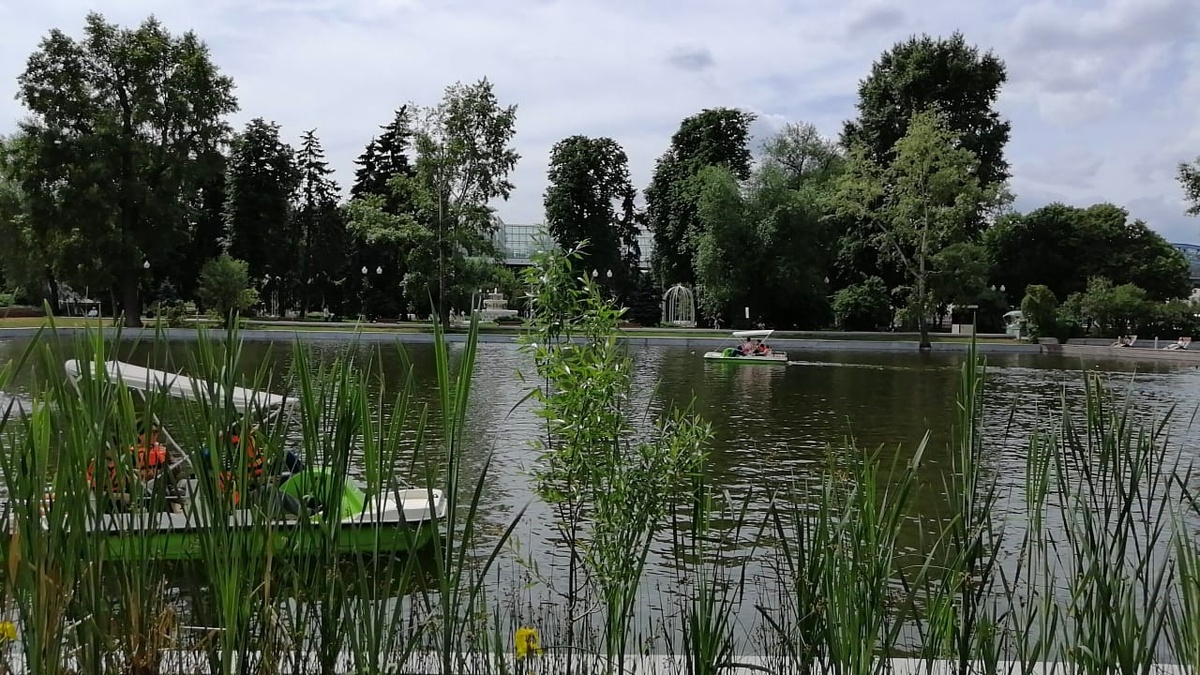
[(146, 463), (744, 349), (259, 485)]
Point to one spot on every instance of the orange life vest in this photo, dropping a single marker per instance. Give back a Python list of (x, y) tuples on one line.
[(149, 460), (227, 482)]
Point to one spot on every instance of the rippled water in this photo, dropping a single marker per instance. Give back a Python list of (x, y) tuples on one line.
[(772, 425)]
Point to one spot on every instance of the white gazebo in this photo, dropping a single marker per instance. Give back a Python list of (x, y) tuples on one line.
[(679, 307)]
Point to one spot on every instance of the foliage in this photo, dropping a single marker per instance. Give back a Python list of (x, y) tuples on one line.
[(726, 260), (943, 73), (960, 274), (762, 243), (463, 161), (863, 306), (110, 156), (261, 181), (225, 287), (1189, 179), (590, 198), (1062, 246), (1040, 309), (320, 224), (923, 201), (1114, 309), (22, 261), (610, 489), (712, 137)]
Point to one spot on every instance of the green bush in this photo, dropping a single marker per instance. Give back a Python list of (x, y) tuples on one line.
[(1040, 308), (862, 306), (225, 287)]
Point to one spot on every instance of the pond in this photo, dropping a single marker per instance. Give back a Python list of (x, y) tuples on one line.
[(771, 425)]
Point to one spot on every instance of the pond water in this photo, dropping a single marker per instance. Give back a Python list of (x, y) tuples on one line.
[(773, 424)]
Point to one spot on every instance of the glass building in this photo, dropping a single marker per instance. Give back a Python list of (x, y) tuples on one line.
[(1192, 253), (518, 242)]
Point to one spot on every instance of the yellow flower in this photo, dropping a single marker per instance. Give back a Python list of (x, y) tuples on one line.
[(8, 631), (527, 642)]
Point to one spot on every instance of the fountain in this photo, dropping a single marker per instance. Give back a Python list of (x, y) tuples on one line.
[(496, 307)]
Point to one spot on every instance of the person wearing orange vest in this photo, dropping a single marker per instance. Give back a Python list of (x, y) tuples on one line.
[(149, 460)]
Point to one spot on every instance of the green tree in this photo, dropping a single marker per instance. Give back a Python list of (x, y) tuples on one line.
[(22, 262), (913, 76), (385, 160), (321, 226), (590, 198), (922, 202), (1040, 309), (801, 154), (1063, 246), (117, 123), (862, 306), (713, 137), (1189, 178), (261, 183), (464, 158), (225, 287), (205, 225), (944, 73), (960, 274), (726, 253)]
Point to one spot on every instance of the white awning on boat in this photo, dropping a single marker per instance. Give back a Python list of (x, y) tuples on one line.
[(752, 334), (179, 386)]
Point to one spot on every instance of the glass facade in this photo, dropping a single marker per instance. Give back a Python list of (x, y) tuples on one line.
[(1192, 253), (519, 242)]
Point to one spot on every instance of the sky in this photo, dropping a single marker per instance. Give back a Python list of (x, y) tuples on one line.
[(1103, 95)]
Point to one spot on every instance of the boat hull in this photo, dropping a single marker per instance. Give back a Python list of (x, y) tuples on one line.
[(286, 541), (393, 524), (774, 360)]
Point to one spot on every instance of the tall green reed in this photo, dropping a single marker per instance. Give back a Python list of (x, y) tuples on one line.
[(611, 490)]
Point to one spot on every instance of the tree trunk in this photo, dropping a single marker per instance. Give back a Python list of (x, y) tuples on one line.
[(922, 309), (52, 287), (131, 301)]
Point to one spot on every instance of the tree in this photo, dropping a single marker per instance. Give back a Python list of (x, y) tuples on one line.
[(713, 137), (261, 184), (920, 74), (118, 122), (862, 306), (22, 263), (726, 253), (463, 161), (923, 201), (925, 72), (225, 287), (801, 153), (205, 225), (1189, 178), (1062, 246), (1040, 309), (321, 226), (386, 157), (590, 197)]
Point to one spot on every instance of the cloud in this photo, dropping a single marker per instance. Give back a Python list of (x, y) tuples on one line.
[(1102, 100), (691, 58), (876, 18)]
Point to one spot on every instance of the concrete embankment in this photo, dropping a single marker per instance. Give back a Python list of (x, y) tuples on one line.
[(633, 338), (1136, 353)]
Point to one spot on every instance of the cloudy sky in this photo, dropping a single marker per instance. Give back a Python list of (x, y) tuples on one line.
[(1103, 95)]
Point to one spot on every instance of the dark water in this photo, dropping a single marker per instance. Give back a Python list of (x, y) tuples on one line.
[(772, 424)]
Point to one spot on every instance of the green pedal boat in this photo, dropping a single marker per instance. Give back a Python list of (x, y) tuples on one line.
[(186, 506), (751, 348)]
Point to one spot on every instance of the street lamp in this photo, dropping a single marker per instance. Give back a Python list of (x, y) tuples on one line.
[(146, 265)]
